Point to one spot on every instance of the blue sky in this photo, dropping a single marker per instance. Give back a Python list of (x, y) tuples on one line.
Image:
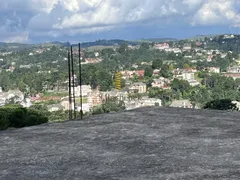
[(34, 21)]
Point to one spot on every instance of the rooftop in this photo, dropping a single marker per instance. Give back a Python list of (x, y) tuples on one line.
[(146, 143)]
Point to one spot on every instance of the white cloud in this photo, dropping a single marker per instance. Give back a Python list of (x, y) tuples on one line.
[(216, 12), (59, 17), (20, 38)]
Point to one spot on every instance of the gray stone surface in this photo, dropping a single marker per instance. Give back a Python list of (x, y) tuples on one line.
[(147, 143)]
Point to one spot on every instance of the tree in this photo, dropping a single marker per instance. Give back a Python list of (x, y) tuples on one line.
[(148, 72), (171, 67), (123, 48), (165, 72), (180, 85), (222, 104), (144, 46), (186, 66), (157, 64), (5, 82)]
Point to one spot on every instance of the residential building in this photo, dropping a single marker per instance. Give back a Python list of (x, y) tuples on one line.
[(161, 46), (55, 107), (127, 74), (94, 98), (181, 104), (187, 47), (138, 87), (233, 69), (143, 102), (188, 76), (209, 58), (213, 69), (86, 89), (161, 83), (140, 73), (96, 54), (156, 72), (233, 75)]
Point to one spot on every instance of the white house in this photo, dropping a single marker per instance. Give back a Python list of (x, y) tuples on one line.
[(139, 87), (181, 104), (86, 89)]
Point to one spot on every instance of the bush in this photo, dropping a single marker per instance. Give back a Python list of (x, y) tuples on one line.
[(4, 121), (111, 105), (97, 110), (221, 104), (15, 116)]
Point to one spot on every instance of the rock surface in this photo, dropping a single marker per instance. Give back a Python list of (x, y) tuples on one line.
[(147, 143)]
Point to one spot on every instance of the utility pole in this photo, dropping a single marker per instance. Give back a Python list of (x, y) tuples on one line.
[(80, 78), (69, 87), (73, 84)]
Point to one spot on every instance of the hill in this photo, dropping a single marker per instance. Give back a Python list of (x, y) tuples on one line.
[(149, 40), (147, 143)]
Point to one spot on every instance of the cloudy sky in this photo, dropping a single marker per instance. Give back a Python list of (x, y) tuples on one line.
[(34, 21)]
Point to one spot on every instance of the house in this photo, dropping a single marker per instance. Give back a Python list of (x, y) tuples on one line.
[(127, 74), (96, 54), (161, 46), (193, 83), (209, 58), (237, 104), (140, 73), (181, 104), (223, 55), (138, 87), (3, 98), (94, 98), (213, 69), (143, 102), (188, 76), (55, 107), (121, 95), (177, 50), (233, 69), (85, 108), (85, 89), (233, 75), (156, 72), (92, 60), (161, 83), (187, 47)]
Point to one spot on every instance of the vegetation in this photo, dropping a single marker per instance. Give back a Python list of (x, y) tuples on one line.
[(46, 73), (111, 105), (222, 104), (17, 117)]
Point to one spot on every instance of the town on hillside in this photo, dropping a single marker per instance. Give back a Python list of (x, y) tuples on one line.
[(176, 73)]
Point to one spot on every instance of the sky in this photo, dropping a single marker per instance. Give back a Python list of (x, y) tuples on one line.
[(37, 21)]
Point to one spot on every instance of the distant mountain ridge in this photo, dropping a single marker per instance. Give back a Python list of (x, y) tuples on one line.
[(103, 42)]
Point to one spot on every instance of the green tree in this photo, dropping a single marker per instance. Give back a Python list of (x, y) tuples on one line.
[(123, 48), (157, 64), (148, 71), (222, 104), (144, 46), (165, 72)]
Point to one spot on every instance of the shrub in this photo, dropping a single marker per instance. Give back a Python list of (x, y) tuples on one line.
[(221, 104), (4, 122), (15, 116)]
